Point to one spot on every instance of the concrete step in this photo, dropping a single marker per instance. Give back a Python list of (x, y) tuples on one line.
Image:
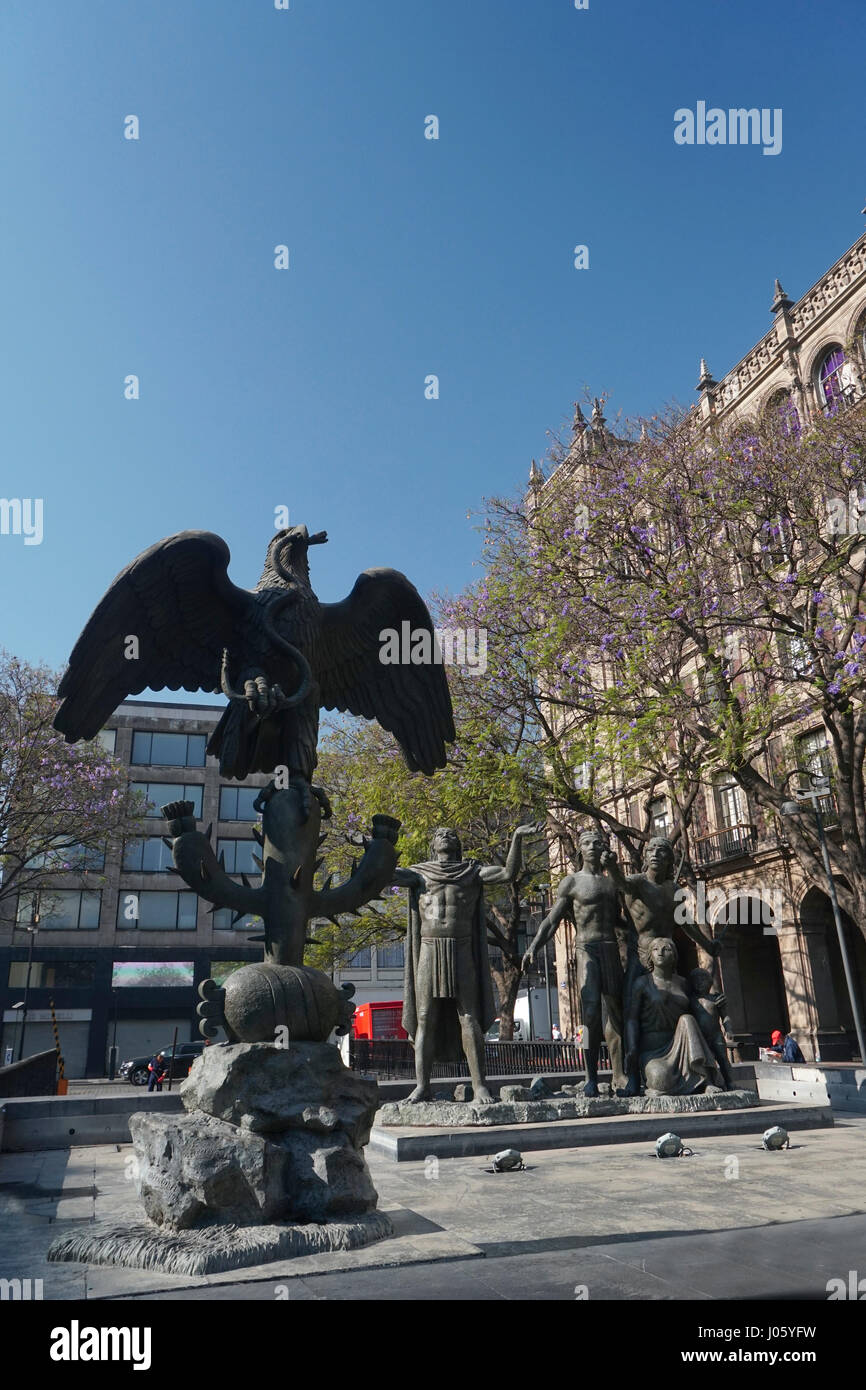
[(844, 1088), (414, 1145), (62, 1122)]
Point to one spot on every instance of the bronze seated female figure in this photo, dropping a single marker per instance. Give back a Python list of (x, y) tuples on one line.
[(663, 1033)]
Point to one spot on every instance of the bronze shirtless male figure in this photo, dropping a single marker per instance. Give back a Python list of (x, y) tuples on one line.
[(592, 898)]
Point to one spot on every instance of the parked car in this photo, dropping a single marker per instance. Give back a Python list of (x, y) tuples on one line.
[(135, 1071), (521, 1032)]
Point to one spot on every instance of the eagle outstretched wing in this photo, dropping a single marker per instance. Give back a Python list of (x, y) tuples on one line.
[(177, 600), (411, 702)]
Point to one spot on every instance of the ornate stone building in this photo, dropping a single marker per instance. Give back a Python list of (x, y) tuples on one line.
[(781, 964)]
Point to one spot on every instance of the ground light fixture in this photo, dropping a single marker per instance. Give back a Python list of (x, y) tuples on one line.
[(508, 1161), (671, 1146), (820, 786), (775, 1138)]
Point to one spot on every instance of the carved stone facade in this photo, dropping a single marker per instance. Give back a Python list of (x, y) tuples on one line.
[(781, 964), (792, 361)]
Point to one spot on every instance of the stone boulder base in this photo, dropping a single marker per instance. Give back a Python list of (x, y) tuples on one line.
[(270, 1089), (272, 1135)]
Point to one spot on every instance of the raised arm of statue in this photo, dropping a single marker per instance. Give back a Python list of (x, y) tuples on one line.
[(547, 928), (712, 947), (507, 872), (626, 883)]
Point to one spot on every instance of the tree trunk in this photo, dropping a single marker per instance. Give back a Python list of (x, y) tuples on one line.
[(507, 985)]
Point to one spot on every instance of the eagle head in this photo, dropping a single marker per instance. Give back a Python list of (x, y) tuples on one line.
[(287, 554)]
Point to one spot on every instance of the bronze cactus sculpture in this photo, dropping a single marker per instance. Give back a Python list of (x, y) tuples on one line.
[(280, 991)]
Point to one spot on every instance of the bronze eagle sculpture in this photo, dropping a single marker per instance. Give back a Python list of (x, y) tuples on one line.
[(276, 652)]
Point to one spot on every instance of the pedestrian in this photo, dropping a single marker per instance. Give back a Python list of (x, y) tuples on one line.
[(557, 1033), (156, 1072), (784, 1048)]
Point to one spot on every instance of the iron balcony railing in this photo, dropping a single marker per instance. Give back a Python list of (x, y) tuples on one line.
[(730, 843)]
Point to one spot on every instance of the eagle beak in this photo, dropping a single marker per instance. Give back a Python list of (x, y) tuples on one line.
[(318, 539)]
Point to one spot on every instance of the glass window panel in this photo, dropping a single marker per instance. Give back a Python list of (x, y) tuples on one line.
[(360, 960), (90, 905), (54, 974), (221, 969), (186, 910), (157, 911), (168, 750), (158, 794), (107, 738), (731, 803), (390, 956), (813, 755), (146, 856), (24, 915), (222, 920), (828, 376), (236, 803), (60, 912), (127, 911), (141, 748), (156, 856), (195, 750), (228, 850), (239, 856), (133, 851)]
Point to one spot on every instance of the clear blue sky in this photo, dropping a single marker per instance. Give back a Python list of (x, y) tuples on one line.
[(408, 257)]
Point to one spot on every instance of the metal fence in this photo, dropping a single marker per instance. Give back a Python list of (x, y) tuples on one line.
[(395, 1059)]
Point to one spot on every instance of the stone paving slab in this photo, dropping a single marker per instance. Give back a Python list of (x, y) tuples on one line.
[(613, 1216)]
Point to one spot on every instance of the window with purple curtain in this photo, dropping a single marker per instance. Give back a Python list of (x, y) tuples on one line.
[(828, 376)]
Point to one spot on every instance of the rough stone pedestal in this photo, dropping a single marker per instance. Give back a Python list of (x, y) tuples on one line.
[(267, 1162), (270, 1134)]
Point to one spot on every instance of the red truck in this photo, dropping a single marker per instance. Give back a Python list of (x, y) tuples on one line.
[(379, 1020)]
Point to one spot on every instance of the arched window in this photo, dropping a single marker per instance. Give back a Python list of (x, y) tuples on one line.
[(829, 384), (782, 406)]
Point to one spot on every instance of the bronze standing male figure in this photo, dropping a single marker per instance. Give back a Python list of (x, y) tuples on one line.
[(592, 899), (448, 995)]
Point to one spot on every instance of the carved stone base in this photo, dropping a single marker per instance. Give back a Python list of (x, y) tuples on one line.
[(453, 1114), (213, 1249)]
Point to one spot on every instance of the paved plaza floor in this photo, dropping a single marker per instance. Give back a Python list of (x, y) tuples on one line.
[(608, 1222)]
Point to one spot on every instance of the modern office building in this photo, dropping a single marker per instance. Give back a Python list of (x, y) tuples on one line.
[(122, 947)]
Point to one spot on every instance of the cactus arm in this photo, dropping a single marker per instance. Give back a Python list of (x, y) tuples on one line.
[(374, 873), (199, 867)]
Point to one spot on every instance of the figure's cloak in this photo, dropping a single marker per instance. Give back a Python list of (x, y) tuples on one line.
[(449, 1040)]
